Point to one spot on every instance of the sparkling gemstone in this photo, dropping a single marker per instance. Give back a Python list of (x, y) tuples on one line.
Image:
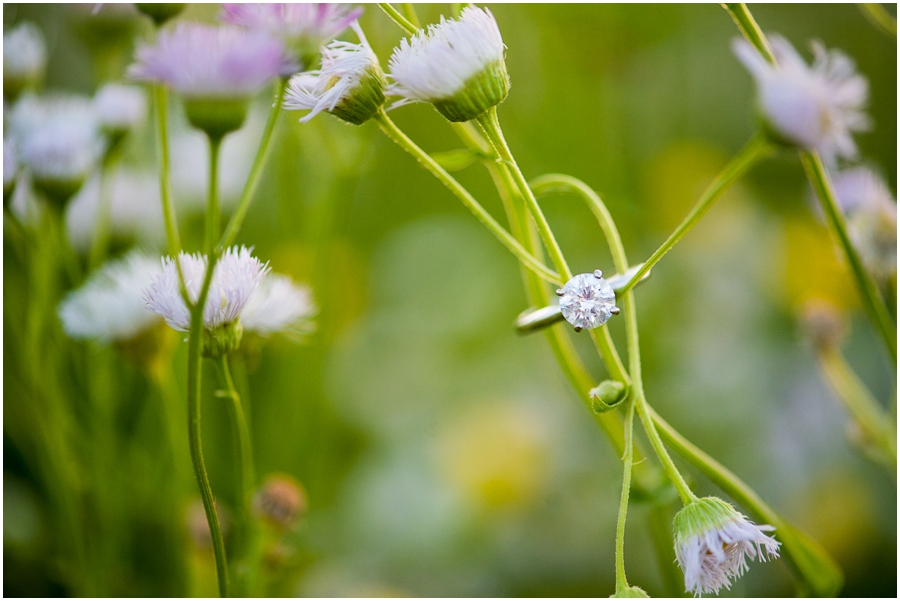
[(587, 301)]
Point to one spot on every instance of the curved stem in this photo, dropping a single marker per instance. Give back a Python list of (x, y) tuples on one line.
[(747, 24), (242, 432), (755, 149), (490, 124), (621, 581), (410, 12), (193, 401), (237, 218), (213, 211), (160, 100), (393, 132), (868, 292), (397, 18)]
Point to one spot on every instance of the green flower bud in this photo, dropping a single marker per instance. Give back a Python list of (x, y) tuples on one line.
[(608, 395)]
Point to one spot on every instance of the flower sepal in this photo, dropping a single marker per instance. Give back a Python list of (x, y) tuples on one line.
[(364, 100), (160, 12), (216, 116), (631, 592), (608, 395), (220, 341), (487, 88)]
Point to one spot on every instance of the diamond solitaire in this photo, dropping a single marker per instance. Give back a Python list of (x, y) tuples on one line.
[(587, 301)]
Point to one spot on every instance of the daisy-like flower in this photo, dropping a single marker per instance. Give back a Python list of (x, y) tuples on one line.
[(457, 65), (24, 58), (119, 108), (109, 306), (350, 84), (216, 70), (814, 107), (713, 542), (302, 28), (279, 305), (871, 219), (236, 277)]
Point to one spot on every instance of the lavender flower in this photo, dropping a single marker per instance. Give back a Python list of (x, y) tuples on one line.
[(109, 306), (303, 28), (713, 542), (871, 219), (814, 108), (24, 58), (350, 84), (458, 65), (279, 305)]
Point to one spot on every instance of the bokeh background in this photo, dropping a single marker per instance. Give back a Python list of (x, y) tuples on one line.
[(442, 454)]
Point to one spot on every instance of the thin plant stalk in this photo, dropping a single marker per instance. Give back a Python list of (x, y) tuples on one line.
[(868, 291), (748, 26), (621, 580), (393, 132), (262, 154), (755, 150), (213, 210), (160, 101), (398, 18)]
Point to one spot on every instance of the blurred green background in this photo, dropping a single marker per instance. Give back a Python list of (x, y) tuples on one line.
[(442, 454)]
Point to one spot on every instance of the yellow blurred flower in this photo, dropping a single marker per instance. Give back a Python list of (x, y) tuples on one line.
[(811, 268)]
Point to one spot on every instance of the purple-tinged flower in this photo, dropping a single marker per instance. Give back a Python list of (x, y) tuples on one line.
[(350, 84), (303, 28), (713, 542), (203, 62), (871, 219), (814, 107)]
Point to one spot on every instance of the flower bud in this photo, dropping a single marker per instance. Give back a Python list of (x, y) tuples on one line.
[(608, 395), (823, 323), (630, 592), (219, 341), (281, 501), (216, 116)]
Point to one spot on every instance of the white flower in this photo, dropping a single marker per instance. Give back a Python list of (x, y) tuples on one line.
[(10, 164), (24, 57), (713, 542), (871, 218), (109, 306), (236, 277), (120, 108), (456, 62), (350, 83), (278, 304), (815, 108), (33, 113)]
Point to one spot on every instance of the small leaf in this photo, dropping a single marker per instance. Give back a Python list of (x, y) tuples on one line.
[(454, 160)]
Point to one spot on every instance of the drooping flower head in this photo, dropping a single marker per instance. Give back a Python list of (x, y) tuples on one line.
[(350, 84), (215, 69), (871, 219), (713, 542), (24, 58), (279, 305), (302, 28), (458, 65), (814, 107), (236, 277), (119, 108), (109, 306)]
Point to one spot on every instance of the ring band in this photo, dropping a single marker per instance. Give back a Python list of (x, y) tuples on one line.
[(532, 320)]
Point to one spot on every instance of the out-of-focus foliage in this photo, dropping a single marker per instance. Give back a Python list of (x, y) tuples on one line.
[(443, 455)]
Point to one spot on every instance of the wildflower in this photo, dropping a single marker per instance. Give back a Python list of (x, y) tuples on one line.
[(109, 307), (458, 65), (871, 219), (24, 59), (350, 84), (814, 108), (119, 109), (60, 158), (277, 305), (281, 501), (236, 277), (302, 28), (215, 69), (10, 168), (713, 542), (160, 12)]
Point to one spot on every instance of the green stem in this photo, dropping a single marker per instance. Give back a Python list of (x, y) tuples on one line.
[(863, 408), (409, 11), (747, 24), (880, 17), (621, 581), (193, 401), (213, 211), (868, 292), (393, 132), (490, 124), (237, 218), (755, 149), (397, 18), (160, 99), (242, 432), (808, 560)]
